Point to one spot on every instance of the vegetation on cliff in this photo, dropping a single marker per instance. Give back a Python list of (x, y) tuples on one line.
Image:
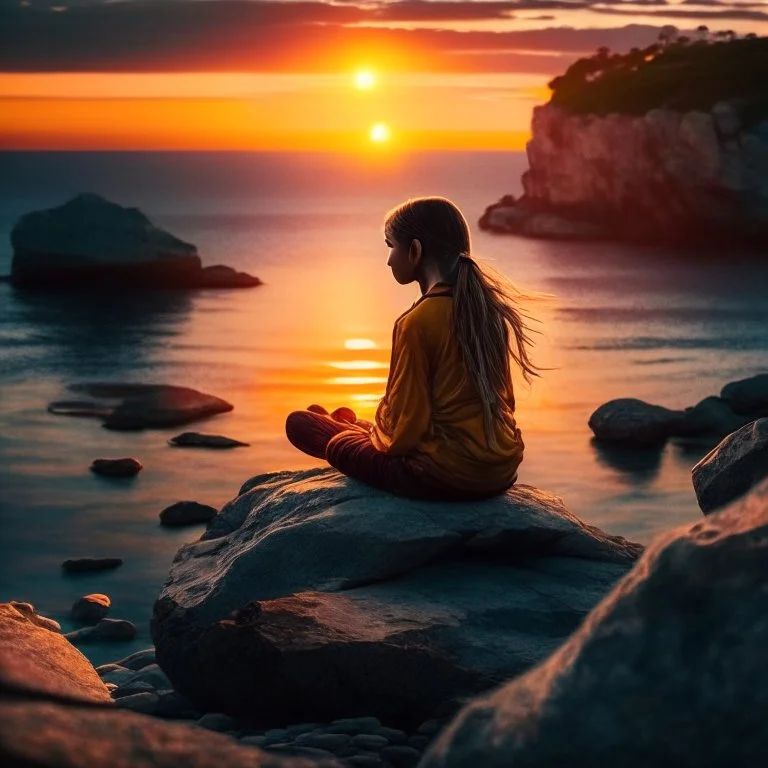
[(674, 73)]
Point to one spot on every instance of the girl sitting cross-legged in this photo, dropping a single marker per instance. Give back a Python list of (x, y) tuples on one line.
[(445, 428)]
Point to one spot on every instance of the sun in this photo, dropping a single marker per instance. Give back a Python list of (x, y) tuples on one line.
[(365, 79), (379, 132)]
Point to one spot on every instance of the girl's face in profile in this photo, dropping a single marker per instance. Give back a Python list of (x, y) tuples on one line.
[(403, 260)]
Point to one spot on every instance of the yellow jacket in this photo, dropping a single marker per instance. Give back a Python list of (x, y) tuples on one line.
[(428, 411)]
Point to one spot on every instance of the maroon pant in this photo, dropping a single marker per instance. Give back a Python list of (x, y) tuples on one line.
[(347, 446)]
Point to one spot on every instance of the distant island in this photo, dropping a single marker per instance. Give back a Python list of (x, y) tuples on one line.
[(664, 144)]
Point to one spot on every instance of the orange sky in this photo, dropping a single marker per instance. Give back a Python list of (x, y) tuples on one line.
[(217, 74)]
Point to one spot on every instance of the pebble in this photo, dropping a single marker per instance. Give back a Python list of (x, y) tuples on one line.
[(353, 725), (174, 706), (121, 677), (106, 629), (299, 728), (401, 755), (365, 761), (110, 687), (333, 742), (391, 734), (90, 609), (114, 667), (216, 721), (139, 660), (131, 687), (276, 734), (125, 467), (85, 564), (187, 513), (298, 751), (370, 741), (139, 702), (153, 675), (254, 741)]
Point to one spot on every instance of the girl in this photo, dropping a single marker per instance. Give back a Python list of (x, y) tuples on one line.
[(445, 428)]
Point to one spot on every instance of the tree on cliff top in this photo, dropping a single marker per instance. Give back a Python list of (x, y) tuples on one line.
[(672, 74)]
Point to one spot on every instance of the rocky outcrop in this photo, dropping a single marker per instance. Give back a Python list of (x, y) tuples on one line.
[(94, 243), (312, 596), (198, 440), (141, 406), (733, 467), (634, 423), (666, 176), (668, 670)]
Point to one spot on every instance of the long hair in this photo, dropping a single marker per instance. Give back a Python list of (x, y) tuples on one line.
[(488, 325)]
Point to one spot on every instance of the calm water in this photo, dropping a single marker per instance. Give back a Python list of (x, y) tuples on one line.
[(622, 322)]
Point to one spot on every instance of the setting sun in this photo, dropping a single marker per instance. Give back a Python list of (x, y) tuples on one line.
[(380, 132), (365, 79)]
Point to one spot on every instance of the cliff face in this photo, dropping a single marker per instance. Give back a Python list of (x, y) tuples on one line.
[(663, 177)]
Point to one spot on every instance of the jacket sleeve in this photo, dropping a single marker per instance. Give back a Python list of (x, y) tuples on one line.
[(404, 415)]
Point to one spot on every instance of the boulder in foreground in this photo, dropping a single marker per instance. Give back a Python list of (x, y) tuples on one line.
[(733, 467), (90, 242), (668, 670), (312, 596)]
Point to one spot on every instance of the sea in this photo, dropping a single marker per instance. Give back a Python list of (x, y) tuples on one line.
[(609, 321)]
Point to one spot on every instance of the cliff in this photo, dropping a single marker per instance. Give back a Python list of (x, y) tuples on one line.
[(667, 174)]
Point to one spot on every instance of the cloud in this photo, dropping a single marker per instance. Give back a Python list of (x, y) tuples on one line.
[(731, 14), (300, 36)]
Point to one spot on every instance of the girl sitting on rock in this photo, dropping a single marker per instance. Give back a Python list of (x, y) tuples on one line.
[(445, 428)]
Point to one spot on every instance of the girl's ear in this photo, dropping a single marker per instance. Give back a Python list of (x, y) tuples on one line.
[(414, 252)]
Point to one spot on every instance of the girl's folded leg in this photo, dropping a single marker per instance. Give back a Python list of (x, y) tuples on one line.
[(310, 431)]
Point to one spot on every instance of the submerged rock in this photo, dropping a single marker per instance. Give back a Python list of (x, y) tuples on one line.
[(106, 629), (733, 467), (187, 513), (312, 596), (197, 440), (141, 406), (83, 564), (667, 670), (126, 467), (90, 242)]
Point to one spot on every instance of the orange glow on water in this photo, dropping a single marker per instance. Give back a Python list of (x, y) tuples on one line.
[(358, 365)]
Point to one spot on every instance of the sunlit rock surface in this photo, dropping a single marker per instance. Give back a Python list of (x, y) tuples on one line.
[(312, 596), (668, 670), (92, 242), (34, 659), (677, 177), (737, 464)]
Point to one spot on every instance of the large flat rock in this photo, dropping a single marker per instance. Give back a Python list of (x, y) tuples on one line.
[(313, 596), (668, 670)]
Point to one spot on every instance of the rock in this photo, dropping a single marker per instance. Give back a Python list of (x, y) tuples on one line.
[(139, 659), (733, 467), (28, 611), (215, 721), (633, 422), (35, 660), (49, 735), (155, 676), (131, 687), (331, 742), (748, 396), (370, 742), (90, 242), (712, 418), (127, 467), (106, 629), (117, 674), (174, 706), (105, 669), (392, 735), (187, 513), (353, 725), (145, 703), (87, 564), (197, 440), (220, 276), (670, 663), (90, 609), (369, 602)]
